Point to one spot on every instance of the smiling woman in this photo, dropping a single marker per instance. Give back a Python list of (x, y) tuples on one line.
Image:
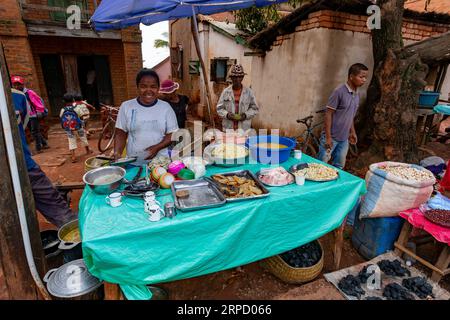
[(145, 124)]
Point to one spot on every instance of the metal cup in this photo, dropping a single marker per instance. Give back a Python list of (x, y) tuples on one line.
[(170, 210)]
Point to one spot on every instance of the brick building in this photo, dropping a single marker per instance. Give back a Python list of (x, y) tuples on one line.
[(54, 59), (304, 56)]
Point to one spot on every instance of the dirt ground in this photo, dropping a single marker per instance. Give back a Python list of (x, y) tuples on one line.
[(247, 282)]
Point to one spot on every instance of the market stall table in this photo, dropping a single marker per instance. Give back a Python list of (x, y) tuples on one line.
[(120, 245), (415, 218)]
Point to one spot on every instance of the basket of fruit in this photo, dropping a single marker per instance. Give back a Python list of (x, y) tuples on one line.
[(298, 265)]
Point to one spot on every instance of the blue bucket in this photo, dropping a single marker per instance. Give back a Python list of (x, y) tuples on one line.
[(428, 98), (269, 156)]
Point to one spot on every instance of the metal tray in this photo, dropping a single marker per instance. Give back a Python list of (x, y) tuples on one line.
[(202, 194), (300, 166), (275, 185), (249, 175)]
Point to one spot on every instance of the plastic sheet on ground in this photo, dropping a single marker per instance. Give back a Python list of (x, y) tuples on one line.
[(120, 245), (335, 277)]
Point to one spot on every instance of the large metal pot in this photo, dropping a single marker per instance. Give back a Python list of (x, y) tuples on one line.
[(71, 249), (73, 281), (92, 178)]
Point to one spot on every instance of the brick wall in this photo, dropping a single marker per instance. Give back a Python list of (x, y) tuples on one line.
[(412, 29), (131, 38), (78, 46), (43, 15), (20, 59)]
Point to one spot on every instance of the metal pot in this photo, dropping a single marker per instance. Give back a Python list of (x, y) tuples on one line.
[(92, 176), (73, 281), (71, 250), (50, 243)]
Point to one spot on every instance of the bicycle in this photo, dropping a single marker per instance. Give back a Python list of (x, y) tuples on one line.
[(106, 139), (308, 143)]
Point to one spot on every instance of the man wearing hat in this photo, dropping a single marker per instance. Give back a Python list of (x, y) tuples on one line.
[(237, 104), (178, 102)]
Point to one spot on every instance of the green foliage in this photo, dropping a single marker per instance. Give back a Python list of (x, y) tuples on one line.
[(162, 43), (252, 20)]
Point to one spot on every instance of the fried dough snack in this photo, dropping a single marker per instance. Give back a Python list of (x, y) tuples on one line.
[(237, 187)]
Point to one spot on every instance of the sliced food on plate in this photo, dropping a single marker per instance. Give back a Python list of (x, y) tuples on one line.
[(275, 177)]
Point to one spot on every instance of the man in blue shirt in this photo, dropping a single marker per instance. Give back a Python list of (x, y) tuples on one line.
[(47, 199)]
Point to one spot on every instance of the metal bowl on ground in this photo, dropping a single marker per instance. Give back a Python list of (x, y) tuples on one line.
[(70, 241), (104, 180), (94, 163)]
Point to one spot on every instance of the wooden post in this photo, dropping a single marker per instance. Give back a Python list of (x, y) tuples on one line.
[(17, 275), (338, 243), (202, 63), (113, 292), (442, 264)]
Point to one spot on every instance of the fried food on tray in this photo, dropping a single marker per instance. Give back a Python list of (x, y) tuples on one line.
[(182, 193), (237, 187)]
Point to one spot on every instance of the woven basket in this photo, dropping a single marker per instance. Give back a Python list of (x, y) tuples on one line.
[(279, 268)]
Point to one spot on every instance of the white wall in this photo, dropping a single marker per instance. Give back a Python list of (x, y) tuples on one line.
[(218, 45), (295, 79)]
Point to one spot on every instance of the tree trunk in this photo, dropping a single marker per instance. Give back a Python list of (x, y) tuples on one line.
[(388, 37), (390, 110)]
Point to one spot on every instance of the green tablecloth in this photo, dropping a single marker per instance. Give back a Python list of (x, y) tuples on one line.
[(120, 245)]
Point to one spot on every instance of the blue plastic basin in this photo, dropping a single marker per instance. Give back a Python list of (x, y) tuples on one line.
[(269, 156), (428, 98)]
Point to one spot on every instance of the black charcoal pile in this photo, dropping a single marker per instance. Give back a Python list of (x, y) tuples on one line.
[(363, 275), (419, 286), (351, 286), (304, 256), (394, 291), (393, 268)]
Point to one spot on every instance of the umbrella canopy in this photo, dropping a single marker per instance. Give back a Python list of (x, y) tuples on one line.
[(116, 14)]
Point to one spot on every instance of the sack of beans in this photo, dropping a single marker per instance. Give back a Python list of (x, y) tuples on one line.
[(393, 187)]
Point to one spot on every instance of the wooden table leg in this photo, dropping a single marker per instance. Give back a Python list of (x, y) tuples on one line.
[(112, 291), (338, 243), (442, 263), (403, 237)]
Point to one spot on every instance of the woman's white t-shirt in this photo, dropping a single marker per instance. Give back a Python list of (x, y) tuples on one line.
[(146, 126)]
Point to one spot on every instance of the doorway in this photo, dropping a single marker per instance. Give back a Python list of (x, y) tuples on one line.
[(95, 79), (54, 81)]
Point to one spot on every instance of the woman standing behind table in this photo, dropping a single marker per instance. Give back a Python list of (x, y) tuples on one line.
[(145, 124), (178, 102)]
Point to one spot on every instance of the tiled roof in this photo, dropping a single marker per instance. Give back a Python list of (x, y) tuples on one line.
[(438, 6)]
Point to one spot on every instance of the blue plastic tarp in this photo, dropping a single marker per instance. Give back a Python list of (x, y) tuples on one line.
[(120, 245), (117, 14)]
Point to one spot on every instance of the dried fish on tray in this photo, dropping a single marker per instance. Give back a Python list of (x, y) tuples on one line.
[(240, 185), (196, 194)]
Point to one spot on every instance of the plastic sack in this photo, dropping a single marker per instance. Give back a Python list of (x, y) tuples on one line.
[(388, 194), (439, 202)]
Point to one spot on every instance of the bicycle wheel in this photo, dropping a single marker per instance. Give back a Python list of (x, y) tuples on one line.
[(310, 150), (106, 139)]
